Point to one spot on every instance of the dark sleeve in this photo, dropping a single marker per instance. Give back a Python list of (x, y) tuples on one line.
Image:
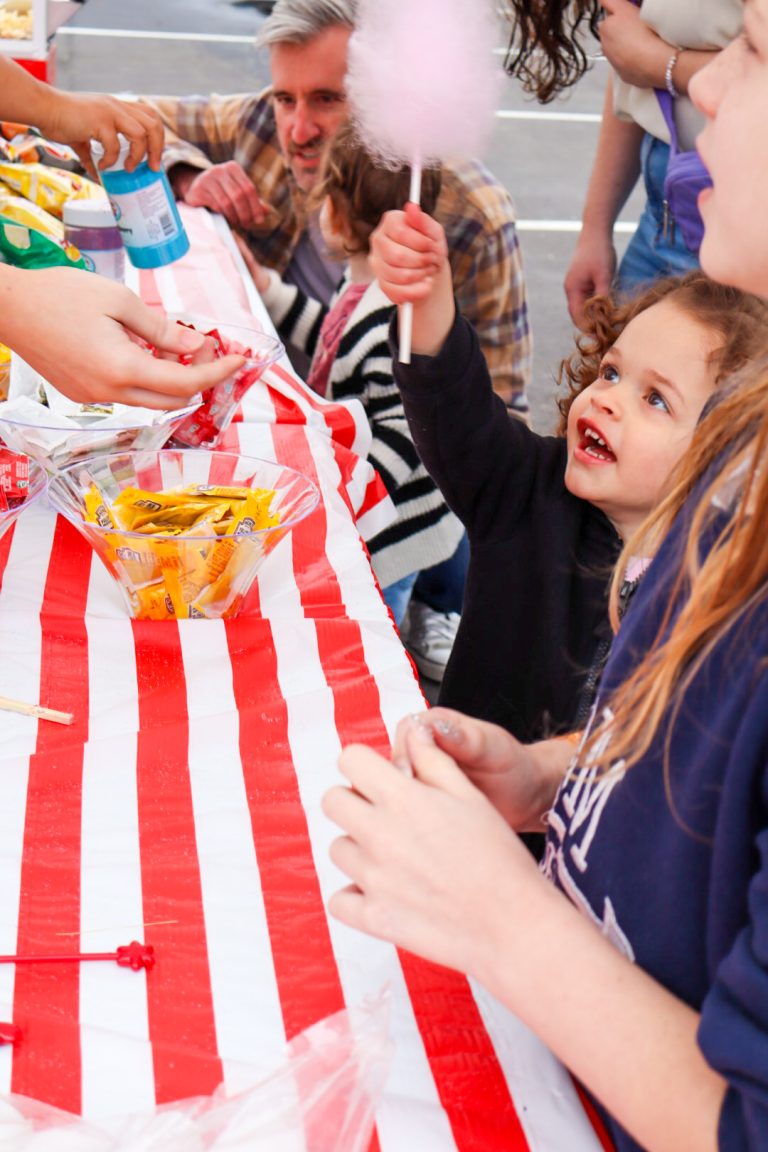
[(733, 1032), (475, 451)]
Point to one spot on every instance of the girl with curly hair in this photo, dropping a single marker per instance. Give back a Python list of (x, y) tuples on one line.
[(547, 516)]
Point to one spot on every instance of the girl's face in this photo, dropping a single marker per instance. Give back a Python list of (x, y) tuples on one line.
[(628, 429), (732, 92)]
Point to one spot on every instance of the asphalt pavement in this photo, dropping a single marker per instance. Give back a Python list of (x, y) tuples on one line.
[(542, 154)]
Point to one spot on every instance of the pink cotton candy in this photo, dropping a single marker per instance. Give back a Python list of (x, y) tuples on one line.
[(423, 80)]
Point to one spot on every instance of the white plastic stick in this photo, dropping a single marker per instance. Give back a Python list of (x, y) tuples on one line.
[(406, 310)]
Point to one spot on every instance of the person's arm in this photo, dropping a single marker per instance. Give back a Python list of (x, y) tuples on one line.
[(615, 171), (437, 871), (76, 118), (79, 331), (202, 142), (639, 55)]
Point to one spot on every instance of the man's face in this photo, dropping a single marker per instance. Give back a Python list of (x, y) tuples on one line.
[(309, 98)]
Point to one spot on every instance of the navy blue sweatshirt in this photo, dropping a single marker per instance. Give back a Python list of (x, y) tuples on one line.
[(672, 863)]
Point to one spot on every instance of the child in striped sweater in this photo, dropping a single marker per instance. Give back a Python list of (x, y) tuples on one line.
[(351, 359)]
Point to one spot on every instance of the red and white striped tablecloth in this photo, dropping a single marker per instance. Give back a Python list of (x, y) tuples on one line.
[(182, 808)]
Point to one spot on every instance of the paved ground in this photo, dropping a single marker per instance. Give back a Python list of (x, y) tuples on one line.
[(542, 155)]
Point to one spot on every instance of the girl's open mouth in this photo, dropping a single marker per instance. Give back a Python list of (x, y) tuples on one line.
[(593, 444)]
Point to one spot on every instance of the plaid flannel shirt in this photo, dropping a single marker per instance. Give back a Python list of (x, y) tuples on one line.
[(475, 210)]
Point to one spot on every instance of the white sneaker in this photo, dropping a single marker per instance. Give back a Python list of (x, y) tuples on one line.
[(429, 635)]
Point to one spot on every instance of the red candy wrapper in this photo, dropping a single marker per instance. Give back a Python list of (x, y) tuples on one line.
[(14, 479), (204, 426)]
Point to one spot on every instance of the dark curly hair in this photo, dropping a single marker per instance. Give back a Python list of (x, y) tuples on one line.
[(739, 317), (545, 49), (362, 190)]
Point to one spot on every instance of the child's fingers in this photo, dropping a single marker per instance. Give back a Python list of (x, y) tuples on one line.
[(401, 264), (431, 765), (395, 232), (474, 744), (421, 222)]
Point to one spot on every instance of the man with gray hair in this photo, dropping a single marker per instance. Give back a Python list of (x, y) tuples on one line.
[(253, 157)]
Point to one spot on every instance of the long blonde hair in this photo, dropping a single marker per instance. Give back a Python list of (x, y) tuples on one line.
[(719, 583)]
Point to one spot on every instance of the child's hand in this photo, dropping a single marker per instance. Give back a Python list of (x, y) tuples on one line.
[(409, 257), (432, 866), (520, 780), (408, 249)]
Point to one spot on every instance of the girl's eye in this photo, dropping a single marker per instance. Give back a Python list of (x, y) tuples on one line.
[(609, 372), (656, 400)]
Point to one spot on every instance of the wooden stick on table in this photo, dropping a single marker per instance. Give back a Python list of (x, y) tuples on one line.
[(8, 705)]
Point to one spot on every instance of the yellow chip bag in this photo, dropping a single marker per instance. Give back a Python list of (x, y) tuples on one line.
[(31, 238), (49, 188)]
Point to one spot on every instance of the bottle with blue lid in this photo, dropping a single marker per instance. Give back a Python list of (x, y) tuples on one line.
[(144, 209)]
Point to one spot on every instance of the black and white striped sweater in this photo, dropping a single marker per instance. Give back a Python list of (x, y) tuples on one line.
[(425, 532)]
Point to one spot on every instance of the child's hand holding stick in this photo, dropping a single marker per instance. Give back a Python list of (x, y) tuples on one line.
[(409, 256)]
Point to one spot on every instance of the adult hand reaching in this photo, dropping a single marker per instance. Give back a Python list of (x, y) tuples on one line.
[(76, 118), (225, 188), (82, 333)]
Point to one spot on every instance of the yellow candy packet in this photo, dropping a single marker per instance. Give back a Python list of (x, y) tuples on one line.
[(199, 575)]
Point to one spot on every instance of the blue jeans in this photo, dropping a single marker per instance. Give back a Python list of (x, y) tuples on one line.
[(652, 254), (442, 586), (397, 595)]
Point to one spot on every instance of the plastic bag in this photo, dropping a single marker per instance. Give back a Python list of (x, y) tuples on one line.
[(322, 1099)]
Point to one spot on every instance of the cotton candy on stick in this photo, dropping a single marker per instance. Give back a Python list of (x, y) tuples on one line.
[(423, 85)]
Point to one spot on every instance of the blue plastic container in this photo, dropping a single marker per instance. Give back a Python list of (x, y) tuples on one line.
[(144, 210)]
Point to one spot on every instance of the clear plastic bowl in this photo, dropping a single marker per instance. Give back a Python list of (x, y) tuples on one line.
[(54, 446), (37, 486), (205, 427), (196, 573)]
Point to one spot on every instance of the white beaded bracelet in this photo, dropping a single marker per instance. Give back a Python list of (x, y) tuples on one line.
[(669, 83)]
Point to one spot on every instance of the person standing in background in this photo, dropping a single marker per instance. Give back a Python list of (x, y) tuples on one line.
[(655, 46)]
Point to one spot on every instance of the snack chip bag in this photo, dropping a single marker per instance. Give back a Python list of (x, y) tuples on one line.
[(47, 187), (20, 142), (31, 238)]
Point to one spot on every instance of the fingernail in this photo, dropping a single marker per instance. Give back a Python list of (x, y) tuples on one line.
[(421, 731), (448, 730)]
